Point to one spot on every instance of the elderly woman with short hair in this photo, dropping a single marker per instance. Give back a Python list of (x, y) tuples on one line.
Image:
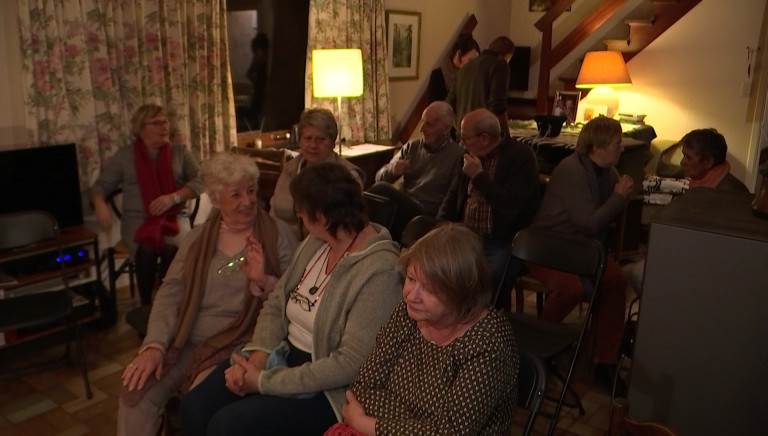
[(316, 327), (317, 130), (446, 362), (157, 178), (704, 153), (208, 302)]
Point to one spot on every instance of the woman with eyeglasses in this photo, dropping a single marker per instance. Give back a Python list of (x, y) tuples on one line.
[(317, 131), (317, 326), (208, 302), (446, 362), (157, 178)]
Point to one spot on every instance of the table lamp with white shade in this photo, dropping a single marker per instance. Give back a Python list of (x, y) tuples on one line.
[(602, 71), (337, 73)]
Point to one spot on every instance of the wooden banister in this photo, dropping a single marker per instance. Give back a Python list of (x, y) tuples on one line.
[(412, 118), (552, 56), (554, 12)]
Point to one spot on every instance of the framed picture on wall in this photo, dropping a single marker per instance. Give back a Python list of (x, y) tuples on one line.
[(567, 104), (403, 40)]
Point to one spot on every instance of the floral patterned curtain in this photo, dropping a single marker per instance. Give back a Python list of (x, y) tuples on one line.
[(353, 24), (88, 64)]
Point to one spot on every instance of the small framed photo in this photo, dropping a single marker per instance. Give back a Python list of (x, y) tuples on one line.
[(403, 41), (567, 104), (591, 111)]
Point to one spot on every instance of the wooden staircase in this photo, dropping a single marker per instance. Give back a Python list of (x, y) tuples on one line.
[(642, 31)]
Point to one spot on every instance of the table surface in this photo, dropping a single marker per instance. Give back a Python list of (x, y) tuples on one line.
[(569, 136)]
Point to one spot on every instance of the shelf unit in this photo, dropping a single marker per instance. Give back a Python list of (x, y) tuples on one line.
[(92, 300)]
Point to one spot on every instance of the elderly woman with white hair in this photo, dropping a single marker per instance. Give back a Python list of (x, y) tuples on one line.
[(208, 303)]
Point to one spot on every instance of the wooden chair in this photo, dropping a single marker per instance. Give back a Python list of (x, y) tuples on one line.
[(270, 162), (621, 425), (118, 256), (32, 308)]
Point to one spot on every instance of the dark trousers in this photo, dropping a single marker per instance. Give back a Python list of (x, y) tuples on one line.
[(407, 208), (212, 409), (151, 265)]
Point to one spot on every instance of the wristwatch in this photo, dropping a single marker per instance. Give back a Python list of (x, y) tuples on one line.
[(176, 198)]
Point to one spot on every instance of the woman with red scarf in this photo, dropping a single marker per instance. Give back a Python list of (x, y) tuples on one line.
[(157, 179)]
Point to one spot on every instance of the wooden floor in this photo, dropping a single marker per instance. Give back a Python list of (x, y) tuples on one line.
[(53, 403)]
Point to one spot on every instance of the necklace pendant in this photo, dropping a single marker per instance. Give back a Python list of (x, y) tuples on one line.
[(313, 290)]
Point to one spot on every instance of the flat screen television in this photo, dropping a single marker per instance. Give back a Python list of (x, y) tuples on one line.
[(42, 178)]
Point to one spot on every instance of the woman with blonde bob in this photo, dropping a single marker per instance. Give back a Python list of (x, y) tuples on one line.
[(157, 178), (445, 362)]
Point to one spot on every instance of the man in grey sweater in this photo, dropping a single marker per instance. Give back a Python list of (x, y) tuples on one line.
[(426, 165)]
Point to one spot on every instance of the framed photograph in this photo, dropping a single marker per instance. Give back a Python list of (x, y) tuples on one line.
[(403, 40), (591, 111), (567, 104)]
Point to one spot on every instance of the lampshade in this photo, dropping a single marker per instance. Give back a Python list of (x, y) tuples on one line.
[(337, 73), (603, 68)]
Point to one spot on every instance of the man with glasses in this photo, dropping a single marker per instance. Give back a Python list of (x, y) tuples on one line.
[(426, 166), (495, 191)]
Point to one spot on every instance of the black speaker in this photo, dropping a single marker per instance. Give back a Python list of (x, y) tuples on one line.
[(519, 66)]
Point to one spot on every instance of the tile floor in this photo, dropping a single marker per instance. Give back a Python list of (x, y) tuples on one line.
[(53, 402)]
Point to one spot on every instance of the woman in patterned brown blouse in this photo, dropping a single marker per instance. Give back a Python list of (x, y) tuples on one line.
[(446, 362)]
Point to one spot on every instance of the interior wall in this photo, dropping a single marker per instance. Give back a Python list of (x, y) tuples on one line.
[(439, 21), (12, 129), (692, 77)]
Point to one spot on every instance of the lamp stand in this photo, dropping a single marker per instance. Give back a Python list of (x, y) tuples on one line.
[(338, 105)]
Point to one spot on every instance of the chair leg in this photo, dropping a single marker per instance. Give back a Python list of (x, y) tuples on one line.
[(132, 278), (519, 296)]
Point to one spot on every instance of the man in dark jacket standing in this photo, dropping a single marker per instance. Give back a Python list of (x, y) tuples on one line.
[(483, 81)]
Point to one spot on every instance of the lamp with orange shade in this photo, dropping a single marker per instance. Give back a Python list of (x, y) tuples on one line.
[(603, 71)]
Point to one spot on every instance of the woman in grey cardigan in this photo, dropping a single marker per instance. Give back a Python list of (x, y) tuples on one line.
[(342, 285)]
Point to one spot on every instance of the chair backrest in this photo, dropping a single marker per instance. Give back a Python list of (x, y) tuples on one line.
[(531, 385), (18, 229), (417, 227), (570, 253), (269, 159), (381, 210)]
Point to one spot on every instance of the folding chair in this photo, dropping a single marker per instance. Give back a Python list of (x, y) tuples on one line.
[(545, 340), (531, 385)]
